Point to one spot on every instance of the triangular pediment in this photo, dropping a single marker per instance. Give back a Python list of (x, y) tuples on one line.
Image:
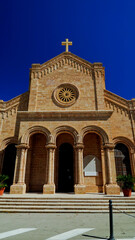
[(65, 58)]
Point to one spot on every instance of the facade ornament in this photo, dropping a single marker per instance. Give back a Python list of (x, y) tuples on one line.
[(66, 43)]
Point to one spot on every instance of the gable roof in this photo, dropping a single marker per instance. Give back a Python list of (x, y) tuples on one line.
[(65, 58)]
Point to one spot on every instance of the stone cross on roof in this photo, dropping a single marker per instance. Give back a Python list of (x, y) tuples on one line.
[(67, 43)]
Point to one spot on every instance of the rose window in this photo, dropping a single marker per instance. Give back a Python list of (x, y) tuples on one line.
[(65, 95)]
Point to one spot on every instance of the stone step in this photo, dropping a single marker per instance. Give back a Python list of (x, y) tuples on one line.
[(61, 211), (64, 204), (66, 200), (44, 197), (65, 207)]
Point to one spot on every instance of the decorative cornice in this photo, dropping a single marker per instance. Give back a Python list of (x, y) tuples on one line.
[(65, 58), (115, 99), (65, 115), (10, 107)]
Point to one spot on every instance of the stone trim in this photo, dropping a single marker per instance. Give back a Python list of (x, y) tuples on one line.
[(51, 145), (115, 98), (66, 115), (11, 107), (79, 146), (66, 58), (95, 129), (33, 130), (7, 141), (109, 146), (130, 145), (22, 146)]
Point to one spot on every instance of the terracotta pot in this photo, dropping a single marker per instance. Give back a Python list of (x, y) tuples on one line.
[(2, 191), (127, 192)]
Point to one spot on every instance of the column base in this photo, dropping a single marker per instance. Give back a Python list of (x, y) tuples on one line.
[(18, 189), (112, 189), (48, 189), (79, 189)]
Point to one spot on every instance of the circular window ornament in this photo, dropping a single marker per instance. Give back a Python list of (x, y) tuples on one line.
[(65, 95)]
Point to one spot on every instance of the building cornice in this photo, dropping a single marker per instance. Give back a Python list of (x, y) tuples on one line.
[(65, 115)]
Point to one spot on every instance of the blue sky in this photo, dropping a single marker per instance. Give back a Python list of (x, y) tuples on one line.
[(31, 31)]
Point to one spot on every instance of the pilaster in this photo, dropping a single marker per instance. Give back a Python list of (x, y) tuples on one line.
[(1, 160), (79, 187), (19, 186), (98, 76), (111, 187), (49, 187)]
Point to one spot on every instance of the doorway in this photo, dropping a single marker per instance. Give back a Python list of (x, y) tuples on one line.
[(65, 169), (9, 164), (35, 176)]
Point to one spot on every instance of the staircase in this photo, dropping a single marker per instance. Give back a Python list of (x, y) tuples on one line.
[(63, 204)]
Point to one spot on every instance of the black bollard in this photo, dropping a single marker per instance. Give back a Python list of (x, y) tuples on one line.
[(111, 221)]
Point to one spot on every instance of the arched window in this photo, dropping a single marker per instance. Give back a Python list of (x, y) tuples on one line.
[(122, 160)]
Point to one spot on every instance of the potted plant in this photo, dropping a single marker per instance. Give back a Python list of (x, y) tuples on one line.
[(127, 182), (3, 183)]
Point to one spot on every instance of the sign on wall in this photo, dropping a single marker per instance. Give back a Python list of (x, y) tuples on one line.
[(91, 165)]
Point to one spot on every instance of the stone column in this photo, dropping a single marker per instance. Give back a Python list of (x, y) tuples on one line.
[(79, 187), (19, 186), (111, 185), (1, 160), (49, 187), (132, 162), (103, 167)]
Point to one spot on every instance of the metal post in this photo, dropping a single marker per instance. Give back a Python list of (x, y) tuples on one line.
[(111, 220)]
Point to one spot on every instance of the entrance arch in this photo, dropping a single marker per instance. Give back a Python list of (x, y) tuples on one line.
[(35, 176), (122, 159), (64, 177), (65, 172), (92, 164), (9, 164)]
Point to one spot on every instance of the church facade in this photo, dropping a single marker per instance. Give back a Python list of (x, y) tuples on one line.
[(67, 133)]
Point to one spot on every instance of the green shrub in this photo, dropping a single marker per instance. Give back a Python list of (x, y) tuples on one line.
[(127, 181), (3, 179)]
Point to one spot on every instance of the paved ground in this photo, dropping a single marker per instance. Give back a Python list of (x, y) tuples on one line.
[(49, 225)]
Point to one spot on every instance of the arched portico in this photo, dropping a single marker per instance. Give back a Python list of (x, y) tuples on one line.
[(38, 136), (7, 158), (95, 129), (124, 155), (92, 162), (64, 162), (34, 130), (102, 152), (65, 129)]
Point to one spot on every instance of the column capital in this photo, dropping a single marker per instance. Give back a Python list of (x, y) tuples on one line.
[(132, 151), (79, 146), (22, 146), (2, 150), (51, 146), (109, 146)]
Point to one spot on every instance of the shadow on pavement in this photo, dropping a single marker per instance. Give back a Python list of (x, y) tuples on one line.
[(85, 235)]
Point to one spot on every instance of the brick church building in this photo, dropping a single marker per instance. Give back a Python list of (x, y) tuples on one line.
[(67, 133)]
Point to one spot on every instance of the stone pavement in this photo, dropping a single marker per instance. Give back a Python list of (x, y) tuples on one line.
[(47, 226)]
